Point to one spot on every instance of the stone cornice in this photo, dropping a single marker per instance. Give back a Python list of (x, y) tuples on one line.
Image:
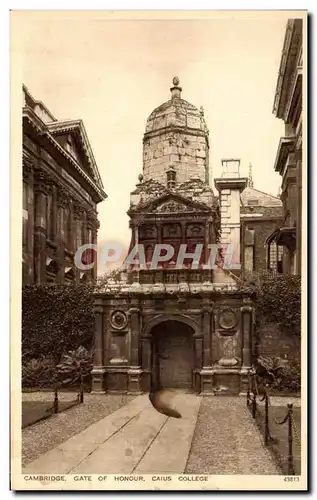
[(78, 125), (291, 43), (285, 147), (43, 131), (237, 183), (175, 128)]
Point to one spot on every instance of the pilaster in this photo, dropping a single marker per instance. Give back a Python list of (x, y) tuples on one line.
[(40, 191), (98, 371), (134, 372), (28, 177)]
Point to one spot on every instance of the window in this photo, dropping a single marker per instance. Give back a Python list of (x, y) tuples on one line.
[(273, 257), (276, 256)]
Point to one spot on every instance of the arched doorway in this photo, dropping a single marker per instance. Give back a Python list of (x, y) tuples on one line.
[(173, 354)]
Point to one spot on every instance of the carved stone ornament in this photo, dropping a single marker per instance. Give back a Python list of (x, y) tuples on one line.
[(173, 207), (172, 230), (227, 319), (118, 320), (195, 230)]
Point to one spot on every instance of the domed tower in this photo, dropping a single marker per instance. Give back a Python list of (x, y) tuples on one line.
[(173, 202), (176, 134), (165, 324)]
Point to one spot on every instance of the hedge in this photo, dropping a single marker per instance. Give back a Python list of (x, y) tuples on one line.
[(56, 319), (277, 300)]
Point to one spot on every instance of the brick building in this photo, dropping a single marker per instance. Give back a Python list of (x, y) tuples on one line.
[(261, 214), (61, 190), (288, 162)]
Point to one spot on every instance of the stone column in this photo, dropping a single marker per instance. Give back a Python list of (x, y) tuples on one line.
[(183, 237), (62, 202), (146, 351), (134, 373), (206, 242), (28, 177), (230, 185), (207, 371), (206, 320), (159, 233), (95, 256), (199, 346), (54, 211), (98, 371), (40, 227), (77, 213), (246, 341), (70, 239)]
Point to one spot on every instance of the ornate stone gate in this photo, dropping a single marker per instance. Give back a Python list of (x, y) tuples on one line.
[(221, 322)]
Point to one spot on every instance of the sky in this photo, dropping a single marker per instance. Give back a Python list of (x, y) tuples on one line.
[(113, 72)]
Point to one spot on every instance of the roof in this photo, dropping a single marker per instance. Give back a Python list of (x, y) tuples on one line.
[(36, 113), (59, 127), (176, 112), (261, 199)]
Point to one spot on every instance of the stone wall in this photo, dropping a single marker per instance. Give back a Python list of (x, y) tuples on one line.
[(188, 153)]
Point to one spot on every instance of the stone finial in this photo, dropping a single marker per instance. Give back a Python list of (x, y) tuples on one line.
[(250, 178), (140, 177), (202, 112), (176, 89)]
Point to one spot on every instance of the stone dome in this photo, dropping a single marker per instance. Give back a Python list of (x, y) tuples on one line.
[(176, 135), (176, 113)]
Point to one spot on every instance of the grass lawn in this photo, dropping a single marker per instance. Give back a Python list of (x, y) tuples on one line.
[(34, 411), (279, 433)]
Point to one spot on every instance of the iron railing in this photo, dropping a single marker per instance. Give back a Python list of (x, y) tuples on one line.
[(253, 397)]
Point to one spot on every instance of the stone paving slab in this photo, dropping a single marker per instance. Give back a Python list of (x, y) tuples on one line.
[(169, 452), (66, 456), (121, 453), (138, 439)]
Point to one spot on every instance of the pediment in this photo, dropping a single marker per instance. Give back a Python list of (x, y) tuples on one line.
[(172, 204), (72, 136)]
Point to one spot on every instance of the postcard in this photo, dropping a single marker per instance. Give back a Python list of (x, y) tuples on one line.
[(158, 268)]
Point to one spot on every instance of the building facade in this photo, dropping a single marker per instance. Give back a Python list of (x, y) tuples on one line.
[(186, 326), (61, 189), (288, 162), (261, 214)]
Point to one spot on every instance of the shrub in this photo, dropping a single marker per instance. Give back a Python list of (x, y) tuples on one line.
[(56, 319), (278, 300), (279, 374), (75, 367), (38, 373)]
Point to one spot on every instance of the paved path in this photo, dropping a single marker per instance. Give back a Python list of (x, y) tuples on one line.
[(138, 440), (133, 439), (227, 440)]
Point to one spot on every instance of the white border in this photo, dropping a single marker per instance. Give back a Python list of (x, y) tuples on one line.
[(4, 198)]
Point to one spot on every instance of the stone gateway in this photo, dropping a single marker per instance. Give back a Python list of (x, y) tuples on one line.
[(188, 328)]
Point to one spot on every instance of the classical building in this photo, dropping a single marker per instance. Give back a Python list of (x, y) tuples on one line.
[(187, 326), (61, 190), (288, 162), (261, 214)]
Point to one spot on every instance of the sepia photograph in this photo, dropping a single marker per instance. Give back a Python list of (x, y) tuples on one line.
[(159, 260)]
